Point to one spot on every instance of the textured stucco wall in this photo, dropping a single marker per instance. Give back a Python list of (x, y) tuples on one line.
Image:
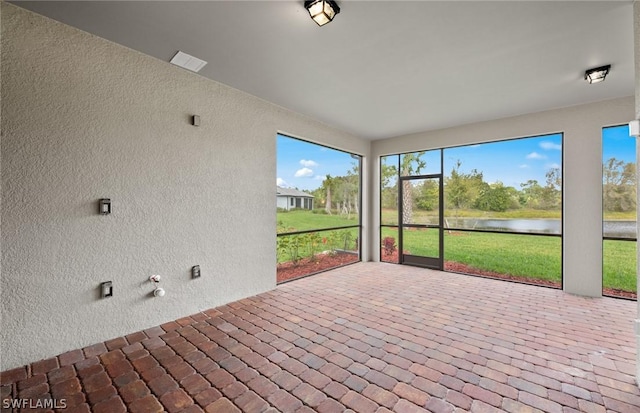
[(83, 119), (582, 184)]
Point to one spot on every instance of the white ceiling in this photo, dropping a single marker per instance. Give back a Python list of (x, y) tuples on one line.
[(384, 68)]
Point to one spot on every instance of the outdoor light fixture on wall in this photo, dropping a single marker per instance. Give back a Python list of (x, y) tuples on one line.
[(104, 205), (634, 128), (597, 74), (322, 11)]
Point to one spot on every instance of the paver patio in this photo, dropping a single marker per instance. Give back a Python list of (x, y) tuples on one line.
[(369, 337)]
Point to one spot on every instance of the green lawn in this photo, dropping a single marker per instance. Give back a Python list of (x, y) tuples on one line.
[(619, 265), (390, 216), (301, 220), (519, 255)]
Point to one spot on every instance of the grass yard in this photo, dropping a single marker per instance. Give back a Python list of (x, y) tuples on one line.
[(300, 246), (390, 216), (300, 220), (619, 265), (517, 255), (520, 255)]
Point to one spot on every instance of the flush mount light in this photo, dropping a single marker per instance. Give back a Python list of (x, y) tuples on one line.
[(597, 75), (322, 11)]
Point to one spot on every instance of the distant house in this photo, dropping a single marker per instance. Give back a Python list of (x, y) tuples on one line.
[(289, 198)]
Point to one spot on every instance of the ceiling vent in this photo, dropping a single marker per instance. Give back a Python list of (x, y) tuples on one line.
[(188, 62)]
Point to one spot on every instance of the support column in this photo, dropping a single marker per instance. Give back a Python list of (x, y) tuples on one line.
[(636, 30)]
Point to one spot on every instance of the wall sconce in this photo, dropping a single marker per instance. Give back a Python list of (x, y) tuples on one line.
[(104, 206), (322, 11), (106, 289), (634, 128), (597, 75)]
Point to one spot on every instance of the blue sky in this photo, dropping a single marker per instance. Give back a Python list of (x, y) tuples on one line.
[(511, 162), (304, 165), (616, 143)]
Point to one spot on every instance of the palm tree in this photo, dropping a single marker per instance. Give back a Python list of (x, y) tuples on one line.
[(326, 185), (411, 164)]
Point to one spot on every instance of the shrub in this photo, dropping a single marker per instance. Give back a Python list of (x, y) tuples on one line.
[(313, 241), (289, 246), (332, 241), (389, 245), (348, 239)]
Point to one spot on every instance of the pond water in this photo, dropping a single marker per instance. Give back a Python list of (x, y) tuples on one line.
[(626, 229), (538, 226)]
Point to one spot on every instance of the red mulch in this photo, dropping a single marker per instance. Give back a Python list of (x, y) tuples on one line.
[(321, 262), (614, 292), (466, 269)]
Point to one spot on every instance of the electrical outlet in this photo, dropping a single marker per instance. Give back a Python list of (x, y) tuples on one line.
[(195, 271)]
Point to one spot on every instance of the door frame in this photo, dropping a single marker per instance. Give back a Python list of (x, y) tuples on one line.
[(436, 263)]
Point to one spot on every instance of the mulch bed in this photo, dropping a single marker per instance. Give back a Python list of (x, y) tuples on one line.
[(466, 269), (613, 292), (321, 262)]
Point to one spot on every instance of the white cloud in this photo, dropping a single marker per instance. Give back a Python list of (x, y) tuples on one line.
[(547, 146), (553, 165), (308, 163), (303, 172), (524, 166), (281, 182), (536, 155)]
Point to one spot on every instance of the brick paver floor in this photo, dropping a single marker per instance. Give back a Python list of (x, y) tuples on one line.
[(369, 337)]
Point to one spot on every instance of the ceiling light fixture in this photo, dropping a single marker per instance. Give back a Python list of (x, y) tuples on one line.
[(597, 75), (322, 11)]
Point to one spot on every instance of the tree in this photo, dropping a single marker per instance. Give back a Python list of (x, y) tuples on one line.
[(410, 164), (346, 190), (326, 185), (618, 186), (493, 197), (389, 186), (530, 194), (427, 195), (551, 198), (462, 189)]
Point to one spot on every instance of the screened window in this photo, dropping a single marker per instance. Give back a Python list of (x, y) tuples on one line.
[(323, 230), (619, 218), (502, 208)]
